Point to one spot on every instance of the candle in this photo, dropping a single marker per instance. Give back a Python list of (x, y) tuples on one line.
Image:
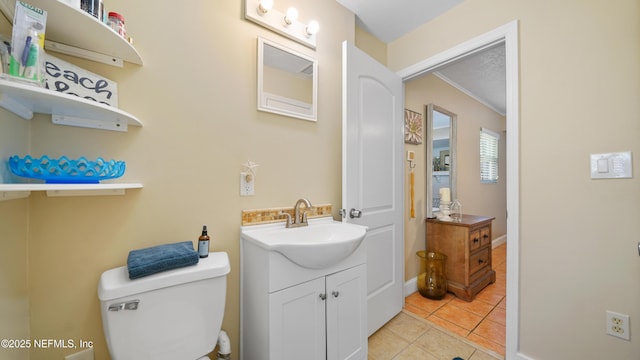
[(445, 194)]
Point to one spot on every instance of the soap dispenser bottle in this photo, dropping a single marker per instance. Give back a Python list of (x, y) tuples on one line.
[(203, 243)]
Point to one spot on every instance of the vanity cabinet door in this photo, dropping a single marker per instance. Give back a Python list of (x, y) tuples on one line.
[(347, 314), (297, 322)]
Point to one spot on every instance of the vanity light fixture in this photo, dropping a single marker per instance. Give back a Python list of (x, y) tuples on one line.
[(264, 6), (312, 28), (263, 13), (290, 16)]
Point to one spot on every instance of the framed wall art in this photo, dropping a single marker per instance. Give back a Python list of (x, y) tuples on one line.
[(412, 127)]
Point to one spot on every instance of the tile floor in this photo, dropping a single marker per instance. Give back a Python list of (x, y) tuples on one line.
[(443, 329)]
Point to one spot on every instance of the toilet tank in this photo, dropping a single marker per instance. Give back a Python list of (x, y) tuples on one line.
[(175, 314)]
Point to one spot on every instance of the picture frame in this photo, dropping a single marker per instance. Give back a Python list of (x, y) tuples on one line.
[(412, 127), (445, 160)]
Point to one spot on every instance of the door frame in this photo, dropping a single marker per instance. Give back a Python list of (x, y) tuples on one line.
[(507, 34)]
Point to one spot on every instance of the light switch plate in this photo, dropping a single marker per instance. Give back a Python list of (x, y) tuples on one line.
[(611, 165)]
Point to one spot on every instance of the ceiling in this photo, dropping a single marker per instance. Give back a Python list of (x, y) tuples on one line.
[(480, 75)]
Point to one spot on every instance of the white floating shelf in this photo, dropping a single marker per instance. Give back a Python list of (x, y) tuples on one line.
[(78, 29), (24, 100), (16, 191)]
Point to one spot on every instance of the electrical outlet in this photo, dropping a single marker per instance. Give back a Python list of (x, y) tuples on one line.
[(246, 184), (618, 325), (86, 354)]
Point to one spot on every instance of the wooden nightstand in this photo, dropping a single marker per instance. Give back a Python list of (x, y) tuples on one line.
[(467, 245)]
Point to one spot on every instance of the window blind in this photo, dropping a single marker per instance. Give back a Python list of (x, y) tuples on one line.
[(488, 156)]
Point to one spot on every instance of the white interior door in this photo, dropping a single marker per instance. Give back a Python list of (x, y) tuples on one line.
[(372, 175)]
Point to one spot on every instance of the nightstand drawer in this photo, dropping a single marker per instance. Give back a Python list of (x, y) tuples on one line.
[(479, 260), (474, 240), (485, 236)]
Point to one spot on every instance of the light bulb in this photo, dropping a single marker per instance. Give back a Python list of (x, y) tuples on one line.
[(291, 16), (312, 28), (264, 6)]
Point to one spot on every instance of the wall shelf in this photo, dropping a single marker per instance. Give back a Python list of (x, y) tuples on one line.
[(24, 100), (96, 41), (17, 191)]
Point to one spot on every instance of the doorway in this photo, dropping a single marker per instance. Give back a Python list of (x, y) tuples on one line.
[(507, 35)]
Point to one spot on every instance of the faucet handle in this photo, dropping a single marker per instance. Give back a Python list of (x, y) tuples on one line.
[(288, 224)]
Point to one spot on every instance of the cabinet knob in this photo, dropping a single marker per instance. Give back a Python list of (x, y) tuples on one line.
[(335, 293), (475, 240), (323, 296), (480, 261), (485, 236)]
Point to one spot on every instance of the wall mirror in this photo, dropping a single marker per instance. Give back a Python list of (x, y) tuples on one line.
[(287, 81), (441, 152)]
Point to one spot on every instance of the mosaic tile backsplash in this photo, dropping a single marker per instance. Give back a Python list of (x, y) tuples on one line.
[(266, 216)]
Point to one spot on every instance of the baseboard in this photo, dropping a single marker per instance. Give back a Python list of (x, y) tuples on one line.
[(498, 241), (410, 286)]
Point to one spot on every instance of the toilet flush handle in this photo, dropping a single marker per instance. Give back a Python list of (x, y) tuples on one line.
[(127, 305)]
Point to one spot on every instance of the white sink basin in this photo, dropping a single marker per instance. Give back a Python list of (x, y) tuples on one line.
[(319, 245)]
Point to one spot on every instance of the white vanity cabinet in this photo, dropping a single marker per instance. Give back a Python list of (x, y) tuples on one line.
[(320, 319), (292, 312)]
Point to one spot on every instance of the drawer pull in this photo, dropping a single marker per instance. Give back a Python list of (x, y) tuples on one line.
[(475, 240), (485, 236), (480, 261)]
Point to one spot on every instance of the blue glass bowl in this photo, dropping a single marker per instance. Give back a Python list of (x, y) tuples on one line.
[(65, 170)]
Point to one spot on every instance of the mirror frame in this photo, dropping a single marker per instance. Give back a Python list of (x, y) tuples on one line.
[(453, 135), (268, 102)]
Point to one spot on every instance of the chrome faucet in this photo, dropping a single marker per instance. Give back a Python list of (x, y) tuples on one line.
[(300, 220)]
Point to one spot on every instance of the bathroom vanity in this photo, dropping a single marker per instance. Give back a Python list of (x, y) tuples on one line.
[(467, 245), (290, 311)]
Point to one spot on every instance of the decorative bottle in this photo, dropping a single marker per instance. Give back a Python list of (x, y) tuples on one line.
[(456, 211), (203, 243)]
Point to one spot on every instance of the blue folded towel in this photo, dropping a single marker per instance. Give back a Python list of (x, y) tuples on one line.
[(160, 258)]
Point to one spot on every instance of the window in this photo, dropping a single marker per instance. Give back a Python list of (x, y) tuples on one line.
[(488, 156)]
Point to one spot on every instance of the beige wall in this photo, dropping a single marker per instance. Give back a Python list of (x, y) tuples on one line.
[(14, 296), (476, 198), (196, 95), (371, 45), (578, 95)]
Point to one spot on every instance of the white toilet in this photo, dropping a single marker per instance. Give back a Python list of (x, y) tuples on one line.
[(175, 314)]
